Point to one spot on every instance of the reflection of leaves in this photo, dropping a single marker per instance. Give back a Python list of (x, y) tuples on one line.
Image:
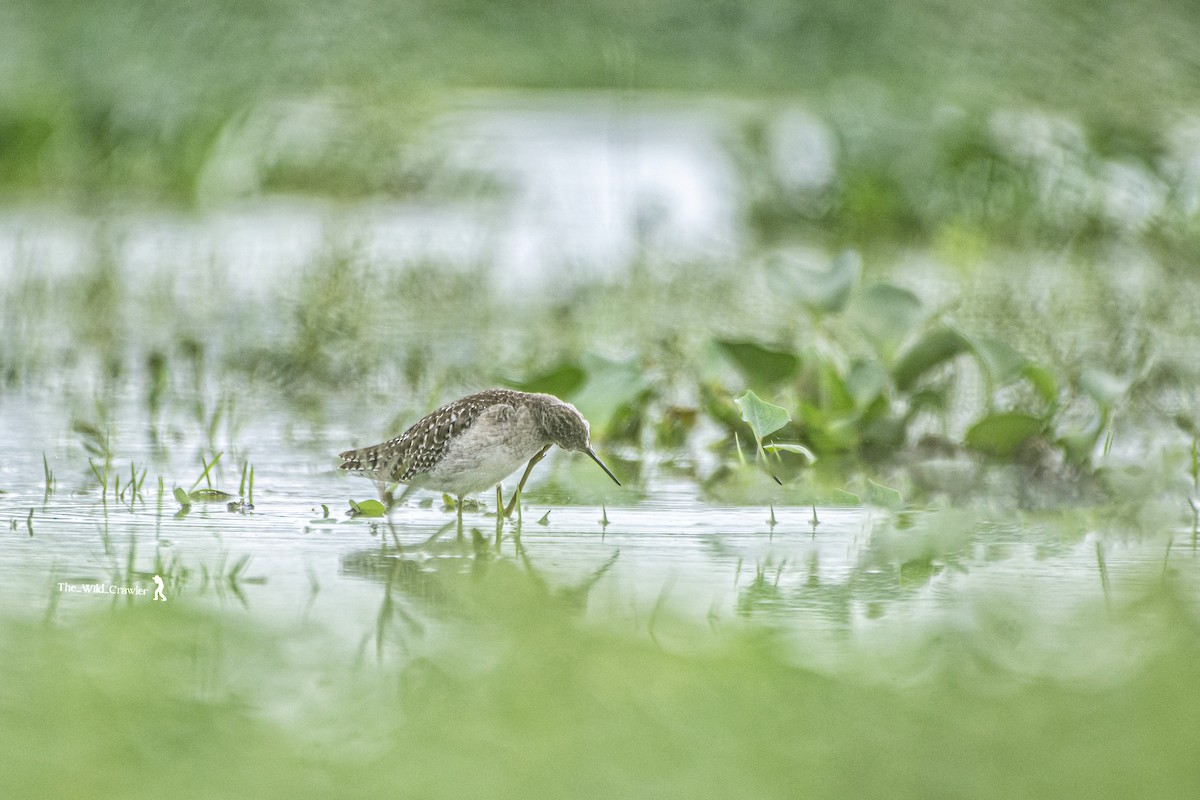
[(93, 441), (185, 499), (1001, 434), (918, 572), (760, 365), (210, 496), (763, 592)]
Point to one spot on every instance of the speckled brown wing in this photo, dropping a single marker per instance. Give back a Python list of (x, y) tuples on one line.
[(415, 451)]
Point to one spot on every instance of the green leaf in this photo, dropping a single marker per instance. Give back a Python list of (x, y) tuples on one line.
[(789, 447), (829, 291), (935, 348), (762, 417), (1103, 387), (887, 314), (561, 381), (886, 496), (1003, 363), (844, 498), (829, 433), (760, 365), (368, 508), (612, 387), (1043, 381), (835, 395), (1078, 446), (865, 382), (1001, 434), (181, 496)]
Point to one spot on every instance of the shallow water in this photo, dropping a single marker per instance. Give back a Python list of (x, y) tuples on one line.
[(665, 549)]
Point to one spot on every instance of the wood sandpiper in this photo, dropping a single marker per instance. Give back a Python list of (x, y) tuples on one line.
[(471, 444)]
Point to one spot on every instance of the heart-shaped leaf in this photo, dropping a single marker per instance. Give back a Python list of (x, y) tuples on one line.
[(763, 418)]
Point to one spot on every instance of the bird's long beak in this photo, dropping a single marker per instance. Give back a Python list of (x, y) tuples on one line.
[(607, 471)]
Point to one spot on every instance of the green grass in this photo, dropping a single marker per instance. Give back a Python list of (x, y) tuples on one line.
[(531, 699)]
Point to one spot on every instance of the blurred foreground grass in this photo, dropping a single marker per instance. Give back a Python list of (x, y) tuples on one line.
[(1003, 699)]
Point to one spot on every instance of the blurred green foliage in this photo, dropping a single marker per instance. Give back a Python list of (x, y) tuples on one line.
[(866, 376), (136, 95), (530, 699)]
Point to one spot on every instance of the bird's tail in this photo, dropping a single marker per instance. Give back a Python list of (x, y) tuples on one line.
[(379, 460), (360, 460)]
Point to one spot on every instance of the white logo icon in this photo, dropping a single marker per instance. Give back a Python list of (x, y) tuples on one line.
[(158, 593)]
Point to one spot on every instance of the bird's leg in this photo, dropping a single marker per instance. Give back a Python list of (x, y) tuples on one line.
[(499, 515), (516, 498), (459, 504)]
